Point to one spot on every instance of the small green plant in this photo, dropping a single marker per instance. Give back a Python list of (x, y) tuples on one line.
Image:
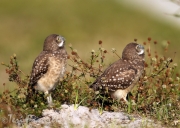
[(157, 93), (76, 104)]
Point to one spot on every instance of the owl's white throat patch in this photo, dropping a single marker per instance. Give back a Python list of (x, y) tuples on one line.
[(61, 44), (141, 51)]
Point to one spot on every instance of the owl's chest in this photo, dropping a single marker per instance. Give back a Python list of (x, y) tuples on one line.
[(55, 71), (56, 67)]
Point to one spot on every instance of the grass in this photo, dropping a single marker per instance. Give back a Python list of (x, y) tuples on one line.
[(156, 94)]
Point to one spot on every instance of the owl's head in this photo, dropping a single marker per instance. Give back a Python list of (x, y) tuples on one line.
[(133, 51), (54, 42)]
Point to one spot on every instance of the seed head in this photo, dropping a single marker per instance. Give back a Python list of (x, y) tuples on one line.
[(149, 38), (100, 42)]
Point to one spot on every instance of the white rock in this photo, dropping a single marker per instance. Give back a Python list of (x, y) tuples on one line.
[(82, 117)]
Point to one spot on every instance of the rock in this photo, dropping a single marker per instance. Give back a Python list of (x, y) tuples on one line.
[(69, 117)]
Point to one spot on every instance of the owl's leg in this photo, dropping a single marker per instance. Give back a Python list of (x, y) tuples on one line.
[(49, 98), (128, 96), (125, 99), (119, 95)]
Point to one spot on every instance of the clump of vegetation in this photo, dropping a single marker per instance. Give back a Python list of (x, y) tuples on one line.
[(157, 93)]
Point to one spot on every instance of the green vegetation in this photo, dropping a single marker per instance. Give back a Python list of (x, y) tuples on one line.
[(25, 24), (157, 94)]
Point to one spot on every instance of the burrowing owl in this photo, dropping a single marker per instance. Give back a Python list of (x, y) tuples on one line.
[(49, 66), (121, 76)]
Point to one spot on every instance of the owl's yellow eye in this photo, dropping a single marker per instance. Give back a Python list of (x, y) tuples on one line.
[(137, 48), (58, 39)]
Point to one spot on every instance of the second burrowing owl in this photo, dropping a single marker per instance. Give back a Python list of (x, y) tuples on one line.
[(121, 76)]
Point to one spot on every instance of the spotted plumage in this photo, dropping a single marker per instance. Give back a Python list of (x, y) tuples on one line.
[(49, 66), (121, 76)]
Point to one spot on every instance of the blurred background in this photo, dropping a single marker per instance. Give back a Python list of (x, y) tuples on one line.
[(25, 24)]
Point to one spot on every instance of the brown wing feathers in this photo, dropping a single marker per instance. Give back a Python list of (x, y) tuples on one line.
[(40, 67), (117, 76)]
